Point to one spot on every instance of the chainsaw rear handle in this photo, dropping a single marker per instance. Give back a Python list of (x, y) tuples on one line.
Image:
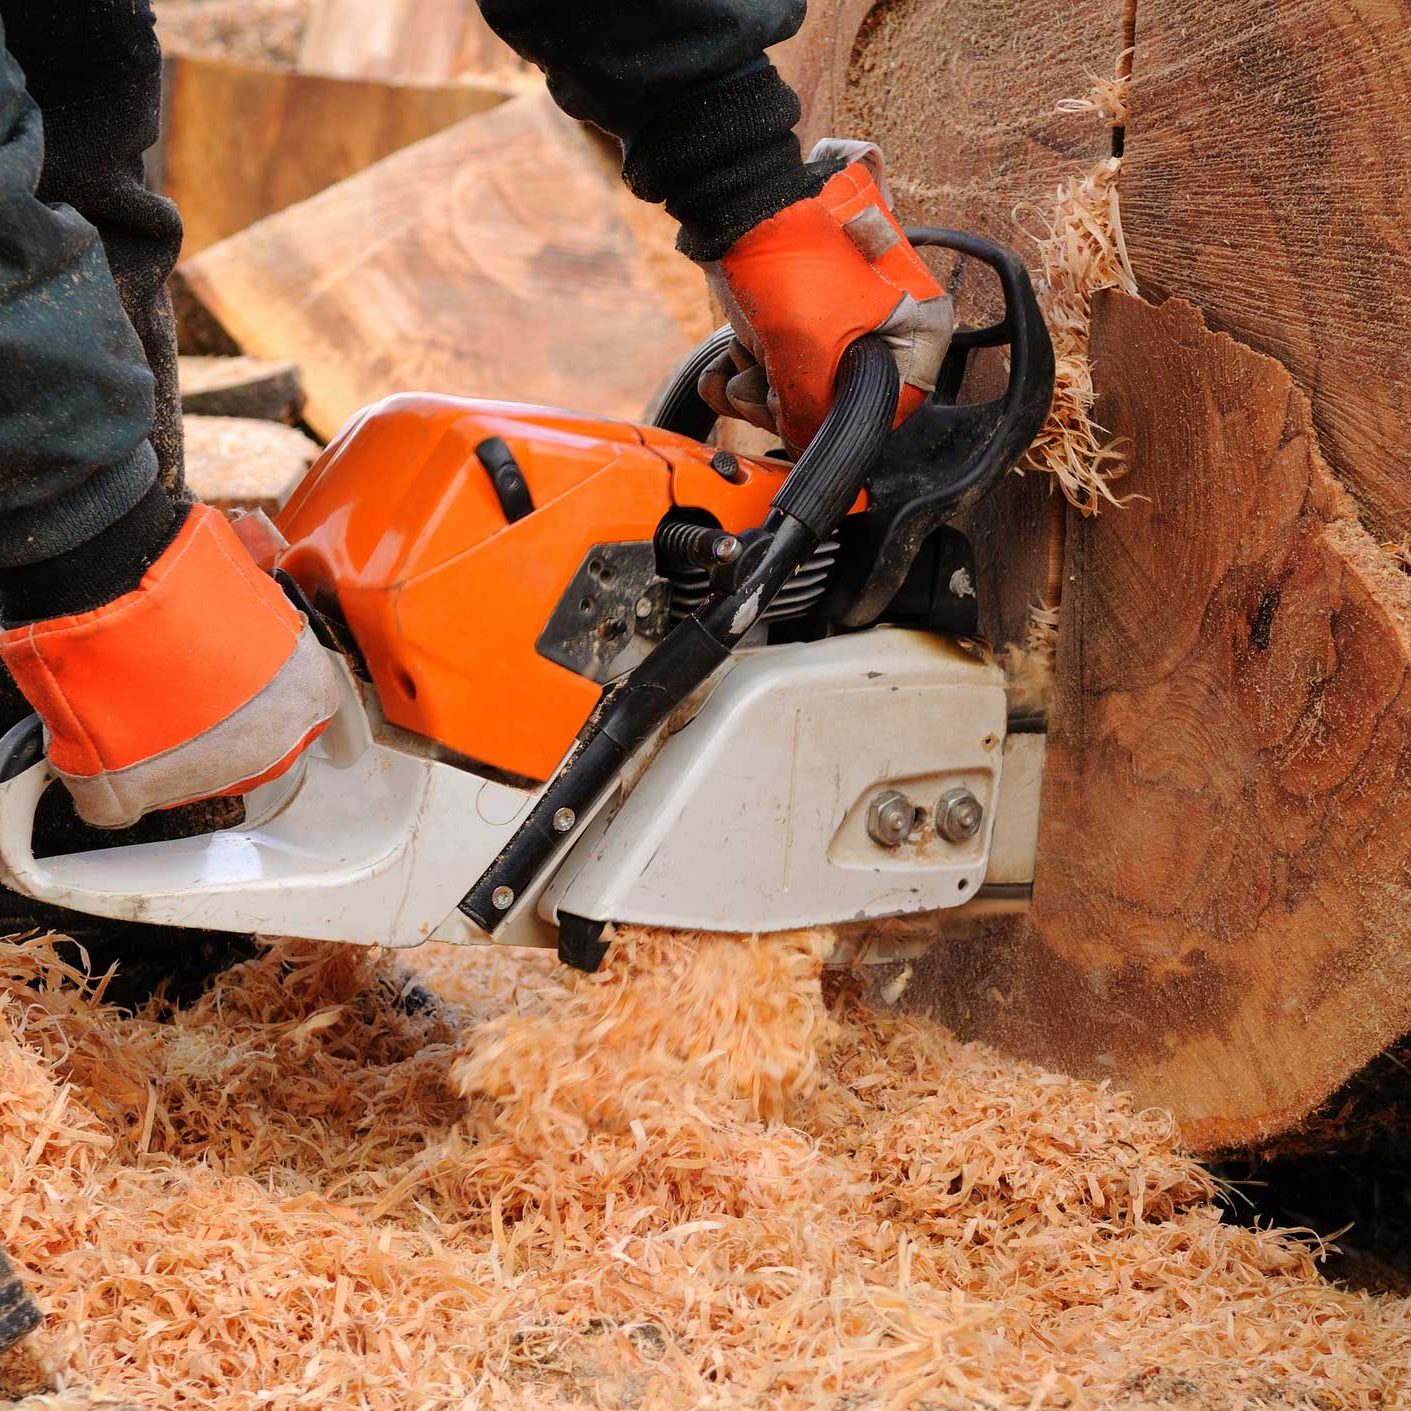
[(817, 493)]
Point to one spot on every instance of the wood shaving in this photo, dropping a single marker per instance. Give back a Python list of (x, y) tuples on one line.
[(1078, 235), (1400, 550), (1029, 669), (700, 1179)]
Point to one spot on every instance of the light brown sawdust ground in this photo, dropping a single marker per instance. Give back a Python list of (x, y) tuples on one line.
[(279, 1199)]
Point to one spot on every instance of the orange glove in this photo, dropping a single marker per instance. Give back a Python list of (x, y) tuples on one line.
[(202, 681), (801, 287)]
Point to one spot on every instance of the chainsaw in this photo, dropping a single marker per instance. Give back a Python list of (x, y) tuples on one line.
[(594, 673)]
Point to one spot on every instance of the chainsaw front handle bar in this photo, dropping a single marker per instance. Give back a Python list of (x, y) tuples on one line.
[(808, 507)]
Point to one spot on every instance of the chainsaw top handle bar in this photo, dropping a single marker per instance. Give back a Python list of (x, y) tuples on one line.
[(808, 507)]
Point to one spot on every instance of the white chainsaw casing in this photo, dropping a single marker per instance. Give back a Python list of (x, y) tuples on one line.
[(753, 817), (365, 843)]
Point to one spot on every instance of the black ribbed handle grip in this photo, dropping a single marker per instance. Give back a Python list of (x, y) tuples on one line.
[(833, 470)]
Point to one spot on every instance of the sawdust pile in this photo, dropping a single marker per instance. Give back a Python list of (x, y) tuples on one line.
[(279, 1198)]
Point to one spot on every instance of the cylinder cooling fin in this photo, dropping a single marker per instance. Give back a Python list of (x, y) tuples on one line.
[(691, 587)]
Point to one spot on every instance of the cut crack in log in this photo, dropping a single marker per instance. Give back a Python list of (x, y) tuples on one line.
[(1222, 912)]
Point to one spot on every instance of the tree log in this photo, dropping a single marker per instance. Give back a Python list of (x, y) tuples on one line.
[(497, 259), (234, 463), (241, 387), (297, 134), (1265, 179), (1221, 911)]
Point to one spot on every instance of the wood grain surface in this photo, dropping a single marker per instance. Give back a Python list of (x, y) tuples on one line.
[(238, 463), (962, 97), (494, 260), (429, 41), (241, 142), (1222, 914), (1267, 178)]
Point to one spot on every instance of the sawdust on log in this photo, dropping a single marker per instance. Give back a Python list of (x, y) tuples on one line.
[(693, 1180), (1029, 669)]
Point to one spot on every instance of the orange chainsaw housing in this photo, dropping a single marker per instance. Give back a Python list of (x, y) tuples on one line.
[(399, 531)]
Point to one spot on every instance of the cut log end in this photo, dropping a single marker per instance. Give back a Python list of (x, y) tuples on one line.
[(1218, 919), (235, 463), (252, 388)]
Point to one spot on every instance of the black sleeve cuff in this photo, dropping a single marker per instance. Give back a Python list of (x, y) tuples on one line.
[(97, 571), (723, 157)]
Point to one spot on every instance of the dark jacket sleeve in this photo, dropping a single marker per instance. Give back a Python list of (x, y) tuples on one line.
[(705, 121), (76, 394)]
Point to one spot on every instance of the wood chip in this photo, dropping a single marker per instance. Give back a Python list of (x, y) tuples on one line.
[(700, 1178)]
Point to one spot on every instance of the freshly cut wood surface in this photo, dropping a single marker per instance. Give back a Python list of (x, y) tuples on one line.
[(1265, 178), (494, 260), (242, 142), (241, 464), (241, 387), (1222, 914), (403, 40)]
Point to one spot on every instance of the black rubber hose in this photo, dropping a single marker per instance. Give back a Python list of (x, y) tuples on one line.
[(833, 469)]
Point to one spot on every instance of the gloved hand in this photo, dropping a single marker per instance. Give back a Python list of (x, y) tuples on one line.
[(804, 284), (203, 681)]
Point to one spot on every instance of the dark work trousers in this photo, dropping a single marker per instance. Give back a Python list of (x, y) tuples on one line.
[(89, 407), (90, 411)]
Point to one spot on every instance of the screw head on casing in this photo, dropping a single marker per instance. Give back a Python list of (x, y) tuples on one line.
[(503, 898), (958, 815), (891, 816), (564, 820)]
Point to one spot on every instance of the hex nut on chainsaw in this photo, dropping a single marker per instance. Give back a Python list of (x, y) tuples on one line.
[(890, 818), (958, 815)]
